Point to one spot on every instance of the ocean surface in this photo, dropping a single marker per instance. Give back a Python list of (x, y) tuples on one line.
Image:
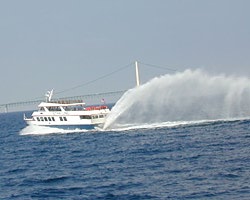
[(203, 160)]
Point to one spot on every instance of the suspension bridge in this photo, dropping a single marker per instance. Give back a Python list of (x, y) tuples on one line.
[(95, 98)]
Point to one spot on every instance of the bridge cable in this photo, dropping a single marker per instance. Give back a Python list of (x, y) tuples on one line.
[(159, 67), (97, 79)]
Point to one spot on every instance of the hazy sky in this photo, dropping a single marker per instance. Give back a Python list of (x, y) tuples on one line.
[(63, 43)]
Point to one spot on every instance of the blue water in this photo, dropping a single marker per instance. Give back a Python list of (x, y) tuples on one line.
[(209, 160)]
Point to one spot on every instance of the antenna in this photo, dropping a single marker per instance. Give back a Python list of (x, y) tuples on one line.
[(48, 95), (137, 74)]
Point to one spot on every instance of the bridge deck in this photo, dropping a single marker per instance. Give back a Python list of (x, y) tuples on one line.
[(22, 105)]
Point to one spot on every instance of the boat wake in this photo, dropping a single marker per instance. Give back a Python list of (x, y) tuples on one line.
[(175, 124), (44, 130), (182, 98)]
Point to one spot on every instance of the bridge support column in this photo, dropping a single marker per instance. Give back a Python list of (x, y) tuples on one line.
[(6, 108)]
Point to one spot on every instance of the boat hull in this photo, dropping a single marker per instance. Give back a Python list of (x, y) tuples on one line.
[(66, 126), (73, 127)]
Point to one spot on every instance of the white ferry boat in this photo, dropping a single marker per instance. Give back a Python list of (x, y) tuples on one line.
[(68, 114)]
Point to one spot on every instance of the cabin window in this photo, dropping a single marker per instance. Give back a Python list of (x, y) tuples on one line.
[(56, 108), (94, 116), (49, 118), (41, 109), (41, 119), (45, 118), (53, 119), (85, 117), (38, 119), (67, 108), (63, 118), (101, 116)]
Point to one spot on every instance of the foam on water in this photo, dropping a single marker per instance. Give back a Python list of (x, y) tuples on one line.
[(43, 130), (128, 127), (183, 97)]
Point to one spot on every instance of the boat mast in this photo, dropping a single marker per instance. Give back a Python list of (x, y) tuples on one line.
[(137, 74), (48, 95)]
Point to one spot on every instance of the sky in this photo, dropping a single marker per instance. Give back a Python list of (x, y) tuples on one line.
[(61, 44)]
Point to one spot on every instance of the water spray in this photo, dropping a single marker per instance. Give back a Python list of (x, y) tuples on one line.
[(184, 96)]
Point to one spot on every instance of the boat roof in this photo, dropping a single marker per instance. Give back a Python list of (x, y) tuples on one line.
[(56, 104)]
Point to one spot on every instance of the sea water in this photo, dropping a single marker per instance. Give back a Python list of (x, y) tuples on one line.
[(194, 155)]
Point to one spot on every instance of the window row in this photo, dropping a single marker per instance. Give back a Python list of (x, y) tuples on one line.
[(91, 117), (50, 119), (65, 118), (45, 119)]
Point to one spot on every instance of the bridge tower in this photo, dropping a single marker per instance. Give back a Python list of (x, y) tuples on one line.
[(137, 74), (6, 108)]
